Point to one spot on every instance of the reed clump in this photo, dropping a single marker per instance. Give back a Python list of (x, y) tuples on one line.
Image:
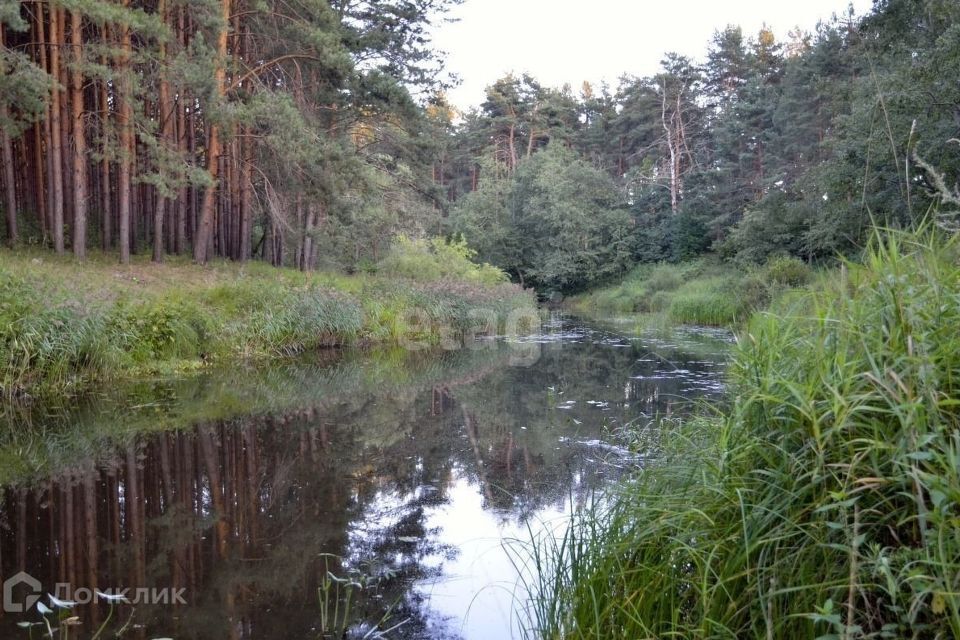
[(825, 504)]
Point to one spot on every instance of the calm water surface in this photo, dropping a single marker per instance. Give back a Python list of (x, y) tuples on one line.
[(395, 479)]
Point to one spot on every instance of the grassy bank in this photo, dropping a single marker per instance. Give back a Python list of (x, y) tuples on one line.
[(825, 505), (62, 327), (703, 292)]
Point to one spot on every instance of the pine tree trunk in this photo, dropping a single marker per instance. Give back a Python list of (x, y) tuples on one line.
[(106, 209), (9, 180), (79, 141), (246, 212), (213, 151), (671, 147), (39, 184), (47, 129), (183, 207), (308, 238), (56, 139), (66, 146), (126, 142), (165, 110)]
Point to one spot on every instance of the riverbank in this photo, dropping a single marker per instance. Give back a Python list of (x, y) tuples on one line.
[(62, 327), (824, 504), (701, 292)]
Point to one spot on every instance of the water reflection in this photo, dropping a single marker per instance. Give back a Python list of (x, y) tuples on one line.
[(248, 488)]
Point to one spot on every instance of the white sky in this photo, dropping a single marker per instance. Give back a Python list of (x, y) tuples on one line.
[(569, 41)]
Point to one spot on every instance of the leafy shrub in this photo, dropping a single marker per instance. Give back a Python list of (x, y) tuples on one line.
[(437, 258), (160, 330), (753, 293), (660, 301), (787, 271)]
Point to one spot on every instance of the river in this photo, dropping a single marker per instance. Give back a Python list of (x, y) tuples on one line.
[(324, 496)]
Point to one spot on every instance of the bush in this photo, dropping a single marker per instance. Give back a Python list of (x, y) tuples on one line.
[(787, 271), (435, 259), (660, 301), (753, 293), (163, 329)]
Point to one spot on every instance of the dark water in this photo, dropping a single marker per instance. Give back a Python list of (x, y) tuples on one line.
[(271, 496)]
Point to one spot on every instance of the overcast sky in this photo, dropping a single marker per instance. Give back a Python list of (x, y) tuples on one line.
[(569, 41)]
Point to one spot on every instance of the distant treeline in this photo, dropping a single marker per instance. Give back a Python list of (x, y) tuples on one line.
[(313, 133), (768, 146)]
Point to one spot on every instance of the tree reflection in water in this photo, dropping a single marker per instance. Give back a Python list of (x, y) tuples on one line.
[(239, 486)]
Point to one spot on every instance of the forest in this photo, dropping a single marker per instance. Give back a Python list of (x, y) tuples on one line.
[(313, 134), (230, 129)]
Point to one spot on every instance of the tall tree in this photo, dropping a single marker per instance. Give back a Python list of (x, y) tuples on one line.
[(126, 149), (202, 240), (6, 156), (79, 127), (56, 135)]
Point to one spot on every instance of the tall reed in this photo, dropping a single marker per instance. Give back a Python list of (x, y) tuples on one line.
[(825, 505)]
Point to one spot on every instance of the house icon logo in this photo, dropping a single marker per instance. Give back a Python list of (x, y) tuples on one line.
[(20, 592)]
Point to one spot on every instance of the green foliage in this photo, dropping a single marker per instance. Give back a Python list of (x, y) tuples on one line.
[(755, 291), (664, 278), (163, 329), (23, 91), (437, 258), (794, 146), (556, 222), (787, 271), (824, 504), (770, 228), (302, 321)]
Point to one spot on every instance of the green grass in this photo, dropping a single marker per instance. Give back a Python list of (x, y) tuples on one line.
[(701, 292), (64, 325), (826, 504)]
